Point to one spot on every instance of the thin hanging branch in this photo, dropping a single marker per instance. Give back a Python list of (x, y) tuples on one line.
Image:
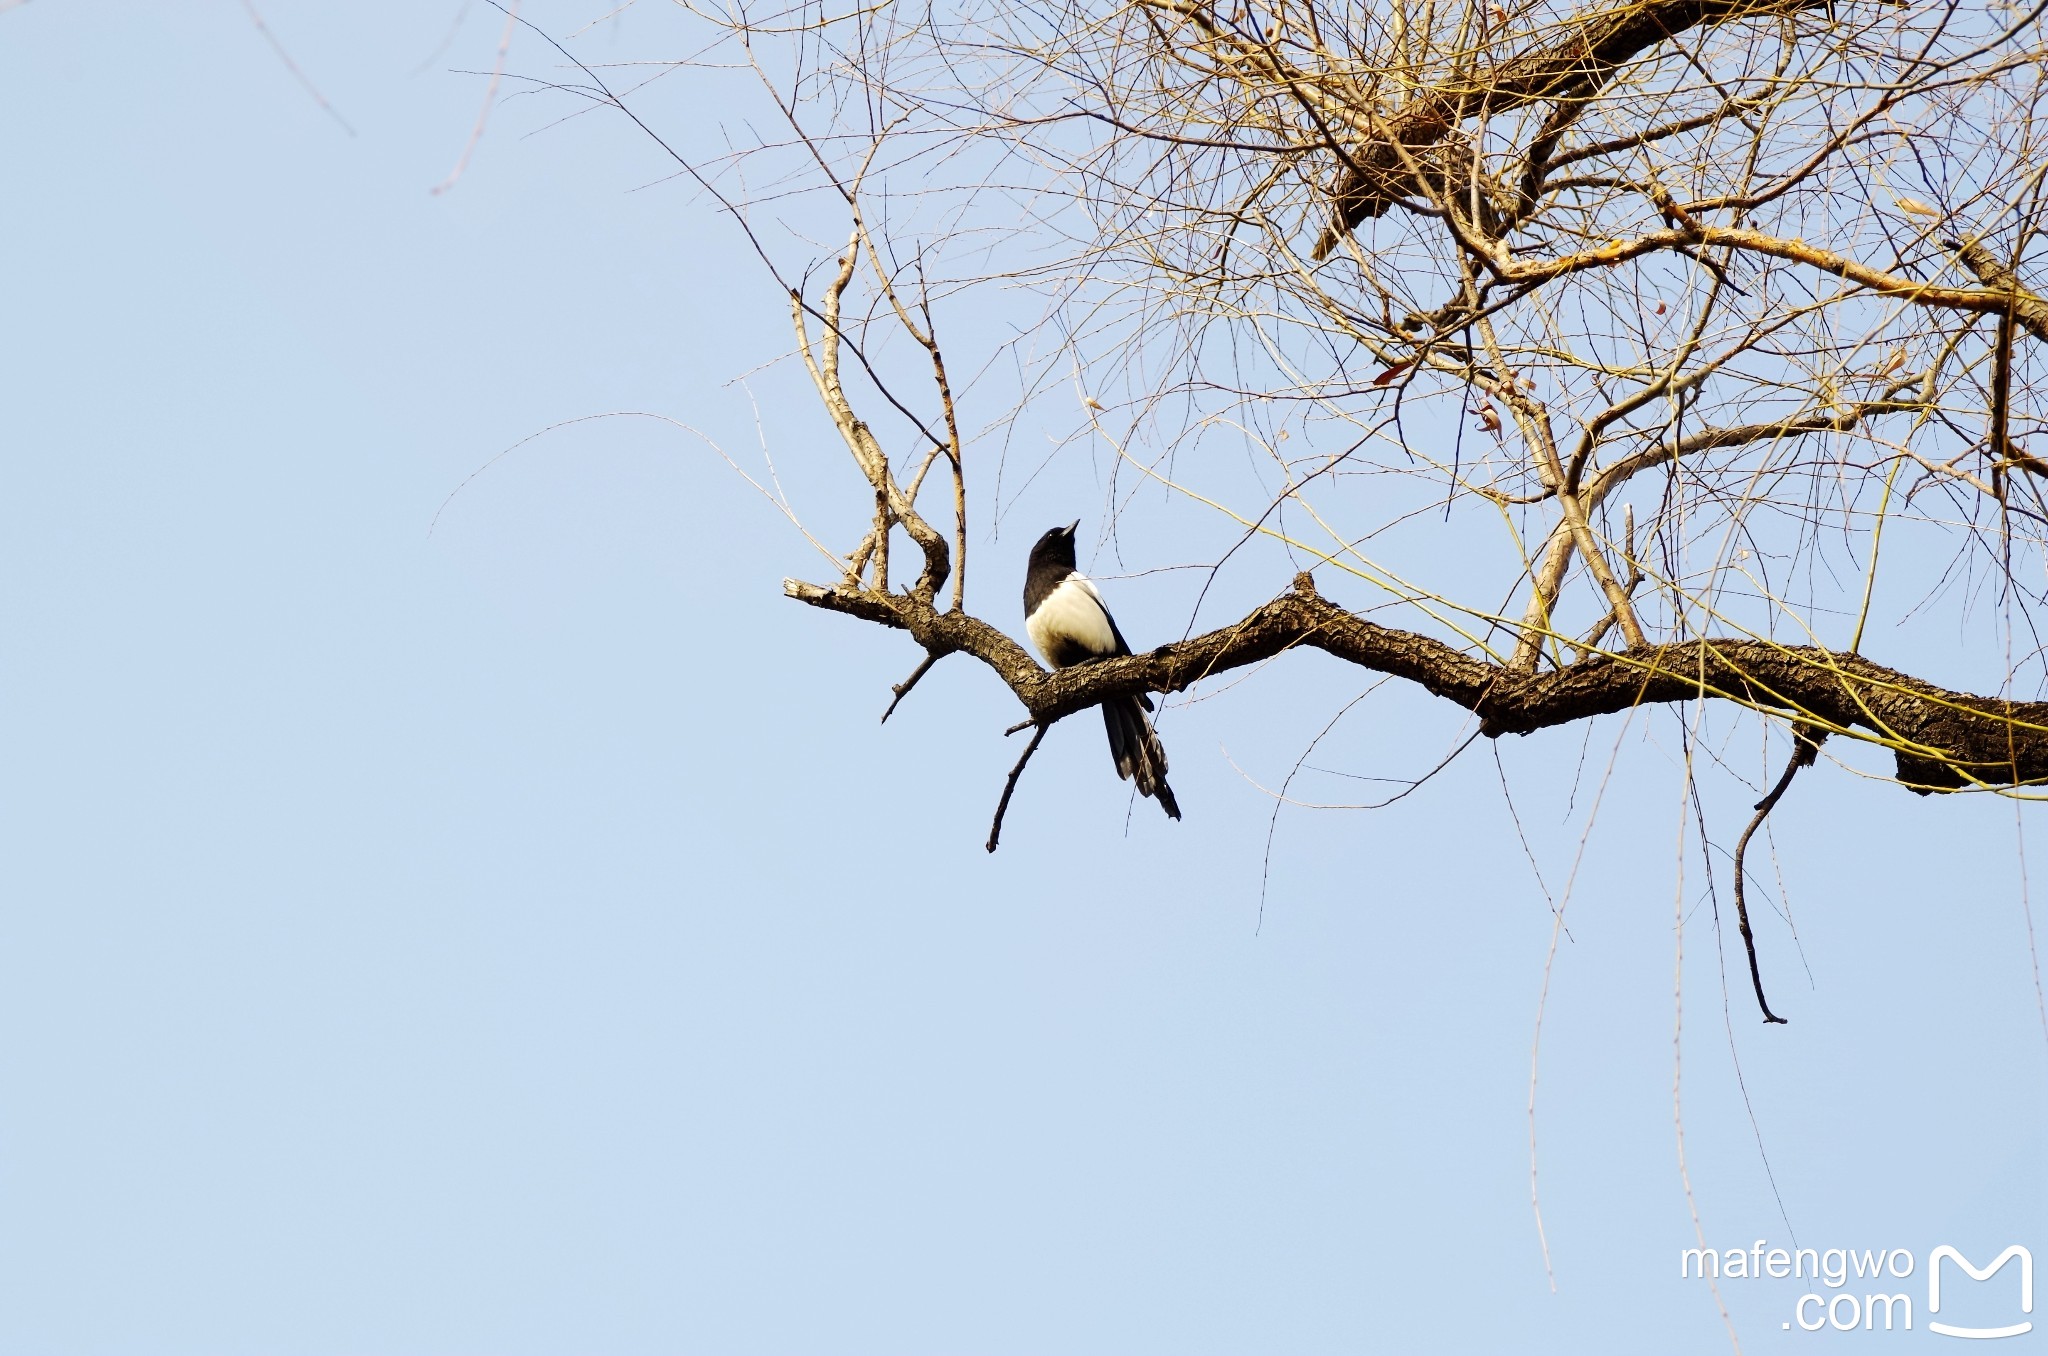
[(1806, 741)]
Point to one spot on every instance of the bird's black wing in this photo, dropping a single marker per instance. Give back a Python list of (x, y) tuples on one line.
[(1123, 647)]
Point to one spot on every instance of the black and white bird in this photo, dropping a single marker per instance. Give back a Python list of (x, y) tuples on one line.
[(1070, 624)]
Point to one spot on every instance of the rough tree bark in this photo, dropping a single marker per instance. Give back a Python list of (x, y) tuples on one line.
[(1941, 740)]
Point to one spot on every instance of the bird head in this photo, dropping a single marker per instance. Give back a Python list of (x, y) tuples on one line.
[(1057, 545)]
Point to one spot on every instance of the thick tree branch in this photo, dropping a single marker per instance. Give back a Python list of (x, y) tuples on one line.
[(2027, 308), (1571, 67), (1941, 740)]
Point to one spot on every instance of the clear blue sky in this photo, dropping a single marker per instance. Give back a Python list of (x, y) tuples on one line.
[(523, 939)]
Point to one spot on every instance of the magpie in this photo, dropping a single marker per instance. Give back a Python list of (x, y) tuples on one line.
[(1070, 624)]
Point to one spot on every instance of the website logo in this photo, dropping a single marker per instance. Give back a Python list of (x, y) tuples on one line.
[(1934, 1260), (1844, 1308)]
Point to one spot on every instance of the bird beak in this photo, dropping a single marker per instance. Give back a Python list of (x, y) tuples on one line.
[(1071, 526)]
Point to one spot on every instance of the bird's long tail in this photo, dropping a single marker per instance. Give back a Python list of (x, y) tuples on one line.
[(1135, 747)]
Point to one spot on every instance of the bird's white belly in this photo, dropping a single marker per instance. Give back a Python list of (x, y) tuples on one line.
[(1071, 613)]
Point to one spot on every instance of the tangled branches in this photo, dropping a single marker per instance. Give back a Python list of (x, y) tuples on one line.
[(1682, 324)]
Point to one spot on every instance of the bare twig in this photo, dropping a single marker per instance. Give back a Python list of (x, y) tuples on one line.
[(902, 689), (305, 81), (995, 828)]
